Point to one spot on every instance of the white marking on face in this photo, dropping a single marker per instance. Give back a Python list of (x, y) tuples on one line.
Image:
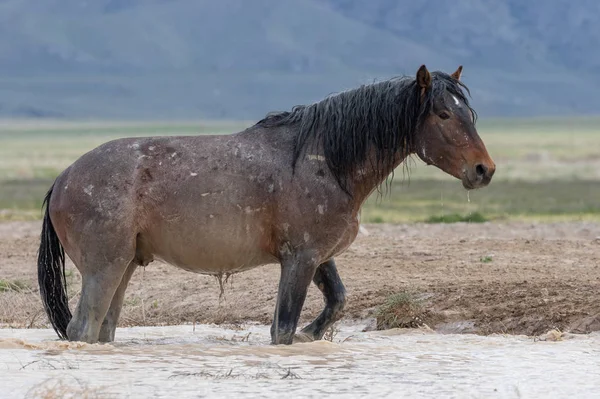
[(88, 190), (193, 174), (456, 100)]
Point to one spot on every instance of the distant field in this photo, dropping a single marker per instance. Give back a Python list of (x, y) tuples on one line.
[(547, 169)]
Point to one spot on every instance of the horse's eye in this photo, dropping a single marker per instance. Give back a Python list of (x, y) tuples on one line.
[(444, 115)]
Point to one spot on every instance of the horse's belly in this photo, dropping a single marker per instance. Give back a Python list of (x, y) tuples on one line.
[(223, 263), (213, 253)]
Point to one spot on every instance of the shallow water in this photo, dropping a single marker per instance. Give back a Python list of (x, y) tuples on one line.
[(210, 361)]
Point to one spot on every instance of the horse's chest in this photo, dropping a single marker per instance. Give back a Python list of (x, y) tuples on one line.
[(345, 238)]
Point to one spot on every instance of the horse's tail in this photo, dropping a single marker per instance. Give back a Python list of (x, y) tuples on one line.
[(51, 275)]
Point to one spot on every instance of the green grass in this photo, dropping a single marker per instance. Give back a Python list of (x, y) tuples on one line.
[(486, 259), (547, 169), (456, 218), (436, 201)]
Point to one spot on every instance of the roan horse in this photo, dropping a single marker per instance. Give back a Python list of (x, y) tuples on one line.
[(287, 190)]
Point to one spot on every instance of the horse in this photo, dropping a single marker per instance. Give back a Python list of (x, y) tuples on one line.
[(287, 190)]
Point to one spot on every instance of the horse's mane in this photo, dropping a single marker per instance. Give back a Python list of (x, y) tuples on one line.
[(383, 117)]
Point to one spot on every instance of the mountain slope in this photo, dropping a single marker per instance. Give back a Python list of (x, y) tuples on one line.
[(241, 59)]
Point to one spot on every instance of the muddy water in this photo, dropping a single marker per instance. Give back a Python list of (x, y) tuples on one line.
[(208, 361)]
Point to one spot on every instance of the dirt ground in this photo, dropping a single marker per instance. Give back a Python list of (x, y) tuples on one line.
[(515, 278)]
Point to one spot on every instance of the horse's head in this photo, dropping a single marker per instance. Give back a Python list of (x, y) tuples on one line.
[(447, 137)]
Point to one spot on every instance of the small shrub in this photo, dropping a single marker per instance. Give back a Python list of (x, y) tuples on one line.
[(486, 259), (401, 310)]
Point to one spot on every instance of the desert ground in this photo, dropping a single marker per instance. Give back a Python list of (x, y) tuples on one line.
[(511, 278), (521, 256), (488, 293)]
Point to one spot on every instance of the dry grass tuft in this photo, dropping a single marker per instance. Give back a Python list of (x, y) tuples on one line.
[(12, 285), (331, 333), (402, 310), (57, 388)]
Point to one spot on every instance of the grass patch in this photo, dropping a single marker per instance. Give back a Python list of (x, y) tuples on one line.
[(456, 218), (548, 169), (23, 196), (431, 201), (486, 259), (14, 285), (437, 201), (401, 310)]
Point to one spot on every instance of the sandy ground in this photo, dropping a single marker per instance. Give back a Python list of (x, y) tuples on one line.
[(511, 278)]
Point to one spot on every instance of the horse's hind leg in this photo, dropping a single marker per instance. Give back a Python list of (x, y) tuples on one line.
[(102, 270), (107, 331), (329, 282)]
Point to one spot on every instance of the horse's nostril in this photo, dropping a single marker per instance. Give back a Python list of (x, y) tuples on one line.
[(481, 170)]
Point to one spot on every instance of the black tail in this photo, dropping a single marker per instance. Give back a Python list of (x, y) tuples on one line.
[(51, 275)]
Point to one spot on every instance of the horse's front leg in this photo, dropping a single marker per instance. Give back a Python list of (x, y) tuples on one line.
[(297, 272), (330, 284)]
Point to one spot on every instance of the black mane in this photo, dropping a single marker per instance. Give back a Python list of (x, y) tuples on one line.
[(382, 116)]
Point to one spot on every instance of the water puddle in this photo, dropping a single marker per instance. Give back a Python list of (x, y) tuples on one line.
[(211, 361)]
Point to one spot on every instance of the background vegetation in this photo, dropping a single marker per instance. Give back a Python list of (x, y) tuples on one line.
[(548, 169)]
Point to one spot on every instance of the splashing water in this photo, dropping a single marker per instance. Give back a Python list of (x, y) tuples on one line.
[(166, 362)]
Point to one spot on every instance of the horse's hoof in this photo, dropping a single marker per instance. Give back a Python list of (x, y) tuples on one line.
[(302, 337)]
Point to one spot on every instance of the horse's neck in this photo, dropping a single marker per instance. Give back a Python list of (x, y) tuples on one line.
[(366, 179)]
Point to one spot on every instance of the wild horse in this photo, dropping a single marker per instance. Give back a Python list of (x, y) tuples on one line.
[(287, 190)]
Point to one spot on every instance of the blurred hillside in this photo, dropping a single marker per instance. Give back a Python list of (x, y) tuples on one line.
[(238, 59)]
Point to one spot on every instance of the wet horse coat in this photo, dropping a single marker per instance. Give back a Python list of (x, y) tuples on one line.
[(287, 190)]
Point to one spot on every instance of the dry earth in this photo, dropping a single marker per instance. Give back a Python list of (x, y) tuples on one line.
[(512, 278)]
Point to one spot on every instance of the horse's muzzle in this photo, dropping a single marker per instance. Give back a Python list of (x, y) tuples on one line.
[(479, 175)]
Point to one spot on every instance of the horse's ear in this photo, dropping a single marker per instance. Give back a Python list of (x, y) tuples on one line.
[(423, 78), (456, 75)]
